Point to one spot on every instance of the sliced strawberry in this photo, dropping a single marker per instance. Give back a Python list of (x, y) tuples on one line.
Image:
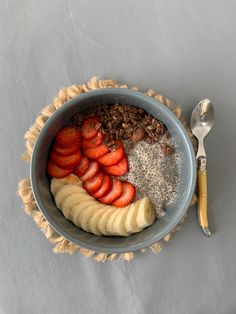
[(93, 168), (66, 161), (114, 156), (97, 152), (57, 172), (105, 188), (90, 127), (117, 170), (94, 142), (94, 184), (65, 151), (115, 192), (68, 135), (82, 166), (127, 195)]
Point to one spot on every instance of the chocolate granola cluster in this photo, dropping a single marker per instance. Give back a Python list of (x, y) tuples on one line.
[(130, 123)]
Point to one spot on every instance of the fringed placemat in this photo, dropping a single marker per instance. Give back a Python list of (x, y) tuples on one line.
[(61, 244)]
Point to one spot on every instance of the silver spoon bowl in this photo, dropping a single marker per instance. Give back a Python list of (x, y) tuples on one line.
[(201, 123)]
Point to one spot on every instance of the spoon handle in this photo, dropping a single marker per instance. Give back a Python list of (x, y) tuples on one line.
[(202, 196)]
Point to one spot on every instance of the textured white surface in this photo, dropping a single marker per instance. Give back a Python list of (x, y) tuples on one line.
[(186, 50)]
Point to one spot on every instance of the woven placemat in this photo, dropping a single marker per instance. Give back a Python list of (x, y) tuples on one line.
[(61, 244)]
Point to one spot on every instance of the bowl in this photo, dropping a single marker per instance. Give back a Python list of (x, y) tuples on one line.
[(41, 184)]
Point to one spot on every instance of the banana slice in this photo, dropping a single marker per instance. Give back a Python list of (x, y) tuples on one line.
[(103, 220), (145, 214), (64, 191), (76, 211), (93, 221), (111, 220), (131, 225), (71, 179), (87, 214), (74, 199), (55, 185), (118, 226)]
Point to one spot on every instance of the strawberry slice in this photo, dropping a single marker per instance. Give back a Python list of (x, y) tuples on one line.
[(65, 151), (97, 152), (127, 195), (82, 166), (94, 142), (114, 156), (94, 184), (66, 161), (90, 127), (114, 194), (119, 169), (57, 172), (93, 168), (68, 135), (105, 188)]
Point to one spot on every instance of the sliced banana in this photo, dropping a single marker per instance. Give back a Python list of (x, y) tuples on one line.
[(145, 214), (92, 216), (71, 179), (110, 221), (74, 199), (64, 191), (55, 185), (131, 225), (87, 214), (118, 226), (103, 220), (93, 221), (76, 211)]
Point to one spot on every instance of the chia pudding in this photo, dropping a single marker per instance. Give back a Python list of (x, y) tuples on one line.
[(154, 174)]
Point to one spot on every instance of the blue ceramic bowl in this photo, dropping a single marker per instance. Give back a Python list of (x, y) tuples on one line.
[(40, 181)]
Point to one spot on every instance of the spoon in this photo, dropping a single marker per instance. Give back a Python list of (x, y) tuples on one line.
[(201, 123)]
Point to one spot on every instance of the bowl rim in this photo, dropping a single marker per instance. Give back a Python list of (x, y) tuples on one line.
[(192, 169)]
